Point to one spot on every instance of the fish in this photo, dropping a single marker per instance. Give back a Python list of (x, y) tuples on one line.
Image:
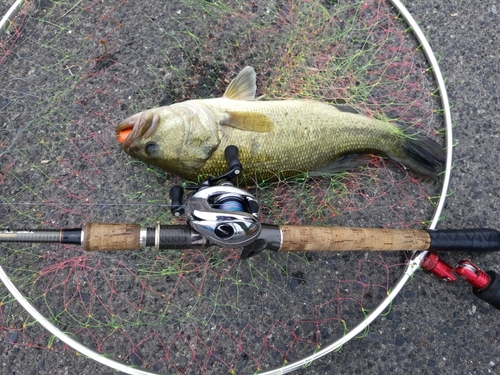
[(275, 138)]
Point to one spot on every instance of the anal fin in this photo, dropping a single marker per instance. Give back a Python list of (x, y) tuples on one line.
[(344, 163)]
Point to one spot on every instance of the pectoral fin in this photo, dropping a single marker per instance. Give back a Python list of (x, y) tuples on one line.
[(248, 121), (243, 86)]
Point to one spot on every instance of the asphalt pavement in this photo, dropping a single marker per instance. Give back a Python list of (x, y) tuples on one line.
[(433, 327)]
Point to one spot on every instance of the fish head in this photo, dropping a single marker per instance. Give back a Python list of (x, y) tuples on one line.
[(180, 138), (169, 137)]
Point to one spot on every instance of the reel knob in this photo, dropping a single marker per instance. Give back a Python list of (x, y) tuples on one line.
[(231, 154), (176, 196)]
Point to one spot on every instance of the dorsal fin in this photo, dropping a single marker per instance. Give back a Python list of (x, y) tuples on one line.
[(243, 86), (347, 109)]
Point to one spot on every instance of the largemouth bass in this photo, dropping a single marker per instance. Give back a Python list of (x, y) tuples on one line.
[(275, 138)]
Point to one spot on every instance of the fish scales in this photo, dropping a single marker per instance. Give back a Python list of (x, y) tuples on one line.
[(306, 136)]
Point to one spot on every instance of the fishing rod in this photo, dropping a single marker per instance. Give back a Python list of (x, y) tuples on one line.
[(218, 213)]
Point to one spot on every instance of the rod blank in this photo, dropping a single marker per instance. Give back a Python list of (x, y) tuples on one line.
[(66, 236)]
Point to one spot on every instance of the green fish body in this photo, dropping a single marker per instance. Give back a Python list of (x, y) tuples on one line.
[(274, 138)]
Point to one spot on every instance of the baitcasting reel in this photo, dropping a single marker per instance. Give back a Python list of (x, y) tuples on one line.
[(225, 215)]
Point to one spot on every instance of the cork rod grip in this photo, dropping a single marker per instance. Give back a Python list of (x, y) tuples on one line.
[(317, 238), (103, 237)]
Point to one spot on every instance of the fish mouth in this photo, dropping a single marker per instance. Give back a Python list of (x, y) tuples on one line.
[(139, 126)]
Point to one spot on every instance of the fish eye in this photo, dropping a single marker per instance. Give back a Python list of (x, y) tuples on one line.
[(151, 148)]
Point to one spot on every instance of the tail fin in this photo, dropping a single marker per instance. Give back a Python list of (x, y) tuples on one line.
[(422, 155)]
